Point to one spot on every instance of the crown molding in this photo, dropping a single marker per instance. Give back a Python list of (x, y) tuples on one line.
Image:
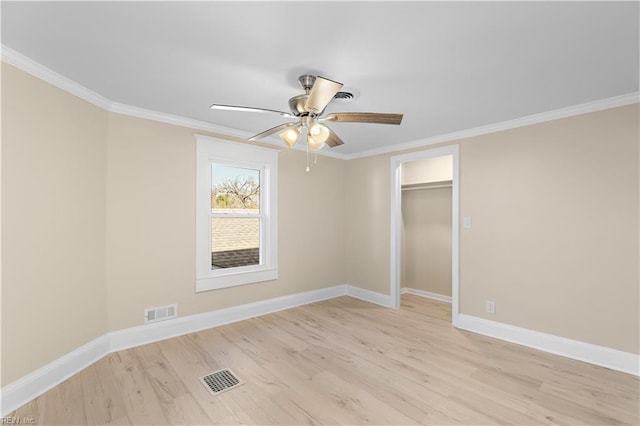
[(176, 120), (43, 73), (571, 111), (38, 70)]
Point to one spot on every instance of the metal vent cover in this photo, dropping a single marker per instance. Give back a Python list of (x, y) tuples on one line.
[(346, 96), (221, 381)]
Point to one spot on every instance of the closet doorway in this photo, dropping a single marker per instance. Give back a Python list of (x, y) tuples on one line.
[(424, 225)]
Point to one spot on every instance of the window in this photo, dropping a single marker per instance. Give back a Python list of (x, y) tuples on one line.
[(236, 239)]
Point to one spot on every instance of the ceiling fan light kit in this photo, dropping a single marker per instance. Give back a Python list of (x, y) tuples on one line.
[(319, 133), (290, 136), (308, 109), (314, 144)]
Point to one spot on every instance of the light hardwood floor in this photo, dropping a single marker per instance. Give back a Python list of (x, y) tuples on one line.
[(342, 361)]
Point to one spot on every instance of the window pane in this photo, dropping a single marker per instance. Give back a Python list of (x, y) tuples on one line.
[(235, 242), (234, 189)]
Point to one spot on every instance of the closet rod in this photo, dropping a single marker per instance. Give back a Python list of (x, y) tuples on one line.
[(415, 188)]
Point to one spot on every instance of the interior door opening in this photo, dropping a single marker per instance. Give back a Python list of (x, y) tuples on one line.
[(426, 236), (424, 225)]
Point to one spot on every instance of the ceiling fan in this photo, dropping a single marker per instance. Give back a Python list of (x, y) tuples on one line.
[(307, 108)]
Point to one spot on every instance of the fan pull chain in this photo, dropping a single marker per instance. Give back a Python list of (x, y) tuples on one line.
[(308, 157)]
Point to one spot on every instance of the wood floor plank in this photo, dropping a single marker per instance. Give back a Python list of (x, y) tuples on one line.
[(141, 402), (298, 372), (342, 361), (266, 382), (67, 404), (190, 364)]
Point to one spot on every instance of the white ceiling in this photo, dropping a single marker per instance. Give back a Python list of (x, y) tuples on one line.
[(447, 66)]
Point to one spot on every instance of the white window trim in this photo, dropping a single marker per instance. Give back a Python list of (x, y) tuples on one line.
[(211, 150)]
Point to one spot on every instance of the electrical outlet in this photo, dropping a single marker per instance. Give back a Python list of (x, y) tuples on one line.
[(491, 306)]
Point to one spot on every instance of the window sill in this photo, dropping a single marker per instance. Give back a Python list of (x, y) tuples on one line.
[(232, 279)]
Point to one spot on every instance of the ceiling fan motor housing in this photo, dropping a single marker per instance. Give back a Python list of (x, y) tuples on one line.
[(296, 105), (306, 81)]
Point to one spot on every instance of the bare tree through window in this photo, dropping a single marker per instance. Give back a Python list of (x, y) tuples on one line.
[(239, 192), (235, 221)]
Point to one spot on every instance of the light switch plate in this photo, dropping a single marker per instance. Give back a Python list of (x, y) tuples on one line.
[(466, 222)]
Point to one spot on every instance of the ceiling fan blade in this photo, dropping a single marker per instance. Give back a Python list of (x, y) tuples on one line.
[(321, 93), (364, 117), (333, 139), (250, 109), (271, 131)]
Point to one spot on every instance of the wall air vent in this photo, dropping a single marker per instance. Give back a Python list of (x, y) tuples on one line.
[(160, 313)]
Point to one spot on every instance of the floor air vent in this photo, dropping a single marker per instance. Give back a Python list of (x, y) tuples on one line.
[(220, 381)]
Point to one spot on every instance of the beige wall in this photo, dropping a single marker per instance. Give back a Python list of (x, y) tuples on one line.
[(98, 223), (433, 169), (555, 226), (53, 223), (366, 223), (555, 215), (151, 224), (426, 255)]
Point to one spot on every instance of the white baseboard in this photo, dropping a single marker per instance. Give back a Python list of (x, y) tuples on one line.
[(27, 388), (141, 335), (427, 294), (574, 349), (369, 296)]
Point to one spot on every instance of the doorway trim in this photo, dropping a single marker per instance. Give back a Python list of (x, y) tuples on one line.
[(396, 221)]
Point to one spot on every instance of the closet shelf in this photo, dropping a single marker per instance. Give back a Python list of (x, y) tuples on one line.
[(428, 185)]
